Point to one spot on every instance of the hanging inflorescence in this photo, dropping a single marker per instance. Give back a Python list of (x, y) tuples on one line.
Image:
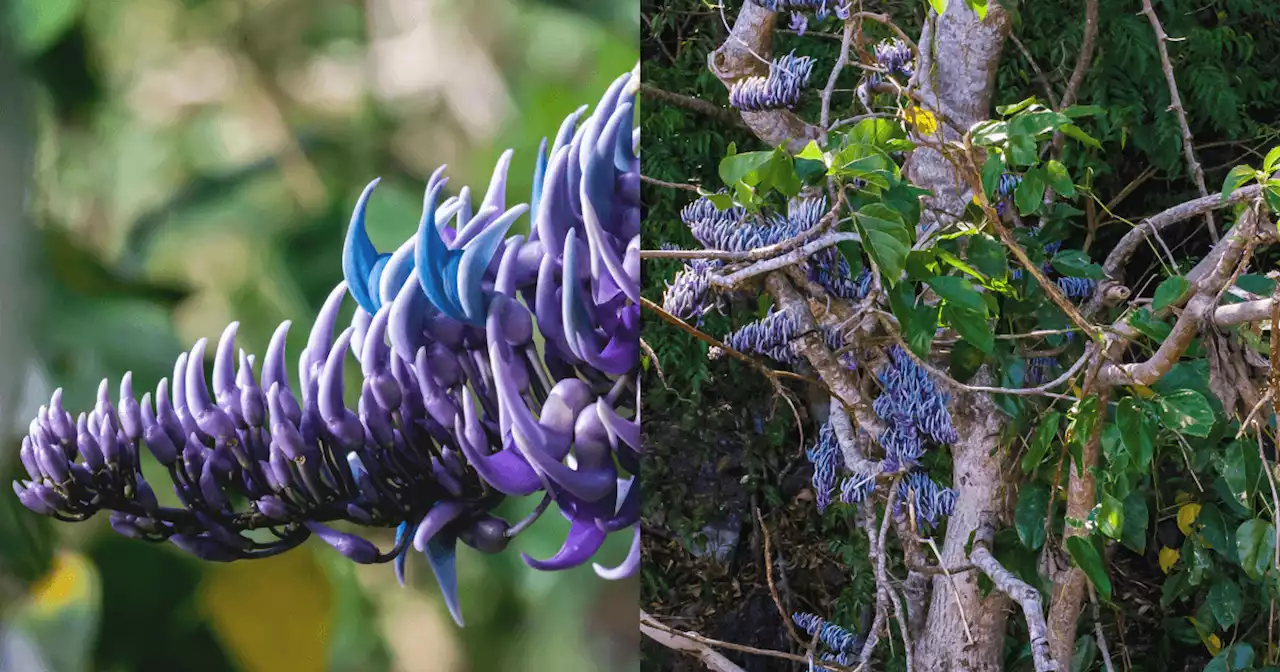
[(826, 459), (788, 76), (1005, 188), (840, 644), (911, 403), (459, 407), (736, 230), (895, 56), (926, 501), (772, 334)]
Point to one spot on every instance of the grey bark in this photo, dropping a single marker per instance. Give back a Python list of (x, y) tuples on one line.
[(956, 77)]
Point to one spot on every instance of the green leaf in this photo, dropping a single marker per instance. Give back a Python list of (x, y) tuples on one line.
[(1076, 133), (1029, 195), (971, 326), (812, 152), (1028, 515), (939, 6), (1111, 516), (876, 132), (1272, 195), (1170, 291), (885, 237), (991, 172), (1225, 600), (1213, 532), (1186, 411), (37, 24), (979, 7), (1077, 111), (1059, 179), (965, 360), (1272, 159), (919, 323), (780, 173), (1147, 325), (990, 132), (1086, 557), (958, 292), (721, 201), (1076, 264), (1255, 543), (1238, 177), (1136, 518), (1257, 284), (737, 166), (1086, 654), (1022, 149), (1241, 468), (1137, 431), (1036, 122), (988, 256), (1235, 658), (1045, 432), (1009, 110)]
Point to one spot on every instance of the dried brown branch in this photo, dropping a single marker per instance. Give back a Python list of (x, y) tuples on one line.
[(1188, 144), (720, 114), (650, 625), (669, 185), (686, 643), (1085, 58)]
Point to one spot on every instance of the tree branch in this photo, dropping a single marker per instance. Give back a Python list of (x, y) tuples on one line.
[(1188, 148), (1028, 598), (715, 112), (736, 59)]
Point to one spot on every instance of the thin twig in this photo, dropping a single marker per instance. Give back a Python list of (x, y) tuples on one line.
[(670, 185), (654, 624), (692, 104), (773, 589), (1188, 147)]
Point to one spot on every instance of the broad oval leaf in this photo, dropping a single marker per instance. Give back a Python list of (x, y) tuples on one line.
[(1086, 557), (1186, 411), (1255, 543)]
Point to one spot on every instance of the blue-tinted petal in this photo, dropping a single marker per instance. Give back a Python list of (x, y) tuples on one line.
[(441, 552), (358, 254)]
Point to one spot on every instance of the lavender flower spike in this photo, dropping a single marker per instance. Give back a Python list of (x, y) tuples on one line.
[(491, 364)]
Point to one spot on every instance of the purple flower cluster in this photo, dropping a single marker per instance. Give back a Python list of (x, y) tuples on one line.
[(856, 487), (459, 406), (826, 460), (1077, 288), (836, 639), (1038, 369), (914, 408), (895, 56), (689, 294), (1004, 191), (769, 336), (927, 500), (788, 76)]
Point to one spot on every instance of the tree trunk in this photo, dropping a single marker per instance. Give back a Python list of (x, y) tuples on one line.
[(956, 79)]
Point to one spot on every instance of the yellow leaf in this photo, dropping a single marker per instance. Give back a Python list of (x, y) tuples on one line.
[(1142, 391), (1168, 558), (922, 119), (1213, 644), (69, 580), (1187, 514), (272, 614)]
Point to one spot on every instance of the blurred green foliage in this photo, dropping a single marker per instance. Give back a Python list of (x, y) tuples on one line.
[(196, 163)]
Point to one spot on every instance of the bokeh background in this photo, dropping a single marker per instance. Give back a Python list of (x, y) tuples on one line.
[(168, 166)]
